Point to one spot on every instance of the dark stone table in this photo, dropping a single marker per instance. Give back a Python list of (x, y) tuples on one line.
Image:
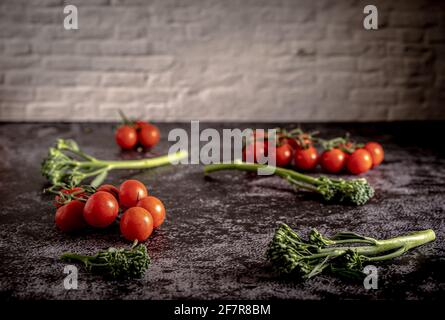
[(213, 242)]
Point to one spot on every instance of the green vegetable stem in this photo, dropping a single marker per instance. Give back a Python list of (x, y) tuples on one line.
[(117, 263), (344, 254), (67, 165), (356, 191)]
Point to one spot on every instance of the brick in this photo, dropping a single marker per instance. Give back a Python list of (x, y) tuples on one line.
[(416, 96), (411, 19), (149, 63), (48, 111), (17, 48), (381, 34), (436, 35), (337, 64), (18, 31), (374, 96), (131, 32), (67, 63), (337, 32), (47, 94), (14, 94), (18, 78), (88, 79), (411, 35), (114, 48), (40, 3), (54, 79), (83, 94), (371, 64), (407, 112), (408, 50), (278, 14), (89, 2), (128, 2), (85, 111), (335, 48), (110, 111), (45, 16), (124, 79), (12, 111), (85, 31), (65, 78), (373, 79)]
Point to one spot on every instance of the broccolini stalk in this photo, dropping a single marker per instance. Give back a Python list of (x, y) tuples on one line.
[(344, 254), (117, 263), (356, 191), (67, 165)]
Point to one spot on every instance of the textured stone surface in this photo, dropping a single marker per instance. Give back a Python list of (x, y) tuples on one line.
[(213, 242), (235, 60)]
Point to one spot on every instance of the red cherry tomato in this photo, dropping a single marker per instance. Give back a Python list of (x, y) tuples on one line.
[(126, 137), (306, 159), (110, 189), (69, 217), (130, 192), (359, 161), (101, 209), (255, 151), (148, 134), (136, 224), (283, 155), (376, 151), (333, 160), (155, 207), (77, 190)]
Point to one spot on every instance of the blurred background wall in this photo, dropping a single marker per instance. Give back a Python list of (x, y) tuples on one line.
[(240, 60)]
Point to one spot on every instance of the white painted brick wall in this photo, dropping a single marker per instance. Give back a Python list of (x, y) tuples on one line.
[(235, 60)]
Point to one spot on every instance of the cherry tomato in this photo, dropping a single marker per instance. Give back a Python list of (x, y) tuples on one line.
[(101, 209), (77, 190), (306, 159), (155, 207), (255, 151), (69, 217), (136, 224), (126, 137), (130, 192), (148, 135), (283, 155), (333, 160), (359, 161), (110, 189), (376, 151)]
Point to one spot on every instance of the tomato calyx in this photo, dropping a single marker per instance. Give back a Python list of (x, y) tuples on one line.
[(135, 124), (297, 138), (345, 144), (65, 194)]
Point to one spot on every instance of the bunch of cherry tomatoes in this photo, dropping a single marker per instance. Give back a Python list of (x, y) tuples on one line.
[(297, 148), (134, 134), (84, 206)]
